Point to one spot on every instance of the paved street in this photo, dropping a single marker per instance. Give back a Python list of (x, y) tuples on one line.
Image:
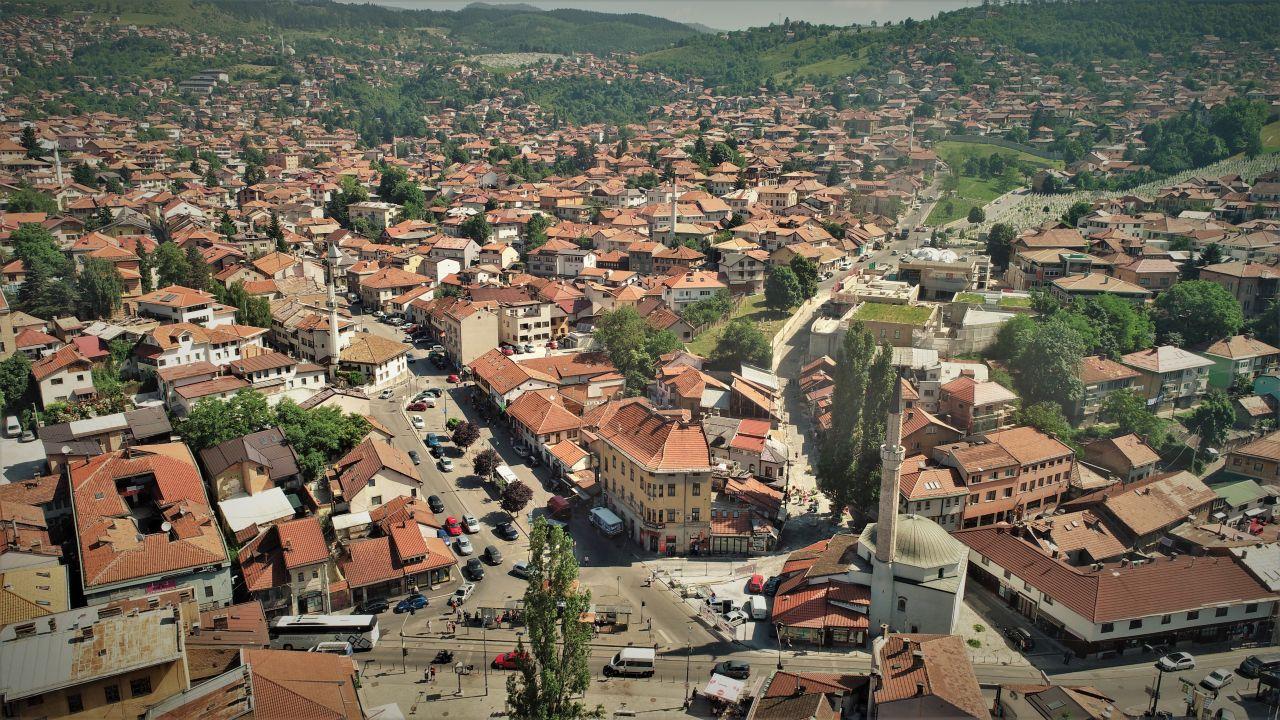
[(615, 573)]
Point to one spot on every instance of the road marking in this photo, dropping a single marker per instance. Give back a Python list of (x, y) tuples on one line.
[(665, 640)]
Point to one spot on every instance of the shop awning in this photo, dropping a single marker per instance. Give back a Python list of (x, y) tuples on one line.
[(724, 688)]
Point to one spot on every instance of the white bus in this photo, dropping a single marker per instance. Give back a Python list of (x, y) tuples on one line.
[(303, 632)]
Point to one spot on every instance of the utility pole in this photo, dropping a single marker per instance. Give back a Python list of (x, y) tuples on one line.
[(777, 629), (484, 654)]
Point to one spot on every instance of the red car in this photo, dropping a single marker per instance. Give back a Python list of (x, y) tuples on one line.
[(454, 379), (755, 584), (509, 660), (508, 350), (452, 526), (416, 406)]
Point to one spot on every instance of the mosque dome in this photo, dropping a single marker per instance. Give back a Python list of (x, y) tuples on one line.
[(921, 542)]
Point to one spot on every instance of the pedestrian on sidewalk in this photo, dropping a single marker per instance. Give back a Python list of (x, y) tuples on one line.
[(428, 624), (433, 673)]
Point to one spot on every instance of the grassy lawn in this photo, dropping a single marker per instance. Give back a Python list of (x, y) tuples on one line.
[(970, 192), (968, 297), (883, 312), (974, 191), (955, 153), (1271, 137), (1015, 302), (754, 311)]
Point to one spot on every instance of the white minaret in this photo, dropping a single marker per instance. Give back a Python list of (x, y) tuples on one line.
[(57, 166), (674, 209), (891, 457), (334, 348)]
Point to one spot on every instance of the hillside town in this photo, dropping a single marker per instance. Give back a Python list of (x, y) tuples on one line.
[(797, 403)]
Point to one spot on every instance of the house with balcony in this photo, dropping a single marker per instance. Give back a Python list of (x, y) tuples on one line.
[(1169, 376), (744, 270), (1240, 358), (524, 322), (1101, 377), (1009, 474), (975, 406), (682, 290), (178, 304), (288, 568), (1037, 269)]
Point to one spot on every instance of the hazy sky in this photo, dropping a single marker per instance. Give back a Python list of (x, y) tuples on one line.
[(732, 14)]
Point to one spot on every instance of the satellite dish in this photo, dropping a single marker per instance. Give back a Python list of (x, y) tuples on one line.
[(166, 526)]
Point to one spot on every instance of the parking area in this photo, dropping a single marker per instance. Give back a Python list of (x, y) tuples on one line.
[(22, 460)]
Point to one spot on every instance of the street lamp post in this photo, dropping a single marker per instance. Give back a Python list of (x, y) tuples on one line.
[(1155, 695), (688, 659), (484, 655), (777, 629)]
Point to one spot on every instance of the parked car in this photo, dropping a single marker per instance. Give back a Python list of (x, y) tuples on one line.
[(506, 531), (26, 436), (371, 607), (416, 601), (462, 594), (493, 555), (454, 379), (1021, 638), (434, 440), (435, 503), (452, 527), (432, 392), (474, 569), (509, 660), (734, 618), (508, 351), (756, 583), (436, 452), (418, 422), (463, 545), (732, 668), (771, 586), (413, 455), (520, 569), (1175, 662), (386, 394), (418, 406), (437, 348), (470, 524), (446, 464), (1255, 665), (1217, 680), (522, 451), (527, 347)]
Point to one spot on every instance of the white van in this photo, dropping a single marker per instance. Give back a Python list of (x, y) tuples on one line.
[(636, 662), (12, 428), (757, 608), (606, 521)]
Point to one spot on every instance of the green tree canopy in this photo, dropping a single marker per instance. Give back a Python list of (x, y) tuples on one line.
[(1048, 367), (807, 274), (1199, 310), (545, 687), (742, 342), (1129, 412), (1000, 244), (100, 289), (1212, 418), (782, 289)]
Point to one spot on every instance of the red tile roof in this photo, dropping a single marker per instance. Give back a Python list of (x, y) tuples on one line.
[(657, 441), (937, 663), (113, 547), (1118, 592)]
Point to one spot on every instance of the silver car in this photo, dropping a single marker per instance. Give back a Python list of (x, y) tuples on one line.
[(463, 546)]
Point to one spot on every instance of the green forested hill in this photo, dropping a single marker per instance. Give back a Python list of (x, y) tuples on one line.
[(486, 27), (1076, 32)]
